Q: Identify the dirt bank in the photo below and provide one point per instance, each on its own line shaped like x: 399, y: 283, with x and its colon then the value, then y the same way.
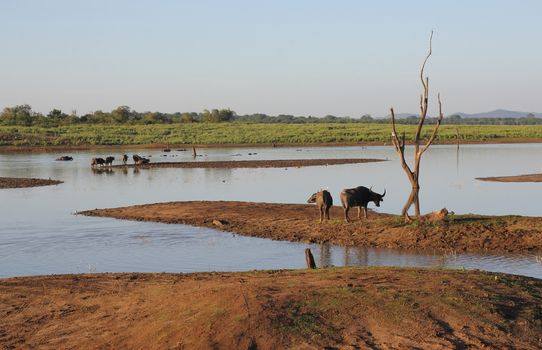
x: 66, y: 148
x: 516, y: 178
x: 349, y: 308
x: 298, y: 222
x: 15, y: 182
x: 279, y: 163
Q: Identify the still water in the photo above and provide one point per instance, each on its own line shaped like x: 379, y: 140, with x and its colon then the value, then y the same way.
x: 40, y: 235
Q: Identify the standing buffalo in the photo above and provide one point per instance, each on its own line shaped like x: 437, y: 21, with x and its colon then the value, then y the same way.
x: 97, y: 161
x: 124, y: 159
x: 109, y: 160
x: 359, y: 197
x: 323, y: 201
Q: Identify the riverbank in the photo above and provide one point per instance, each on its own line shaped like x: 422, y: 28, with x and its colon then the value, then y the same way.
x: 299, y: 223
x: 73, y: 137
x: 278, y: 163
x: 346, y: 308
x: 514, y: 178
x: 188, y: 147
x: 17, y: 182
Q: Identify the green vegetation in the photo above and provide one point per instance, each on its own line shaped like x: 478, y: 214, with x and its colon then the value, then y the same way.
x: 243, y: 133
x: 23, y: 115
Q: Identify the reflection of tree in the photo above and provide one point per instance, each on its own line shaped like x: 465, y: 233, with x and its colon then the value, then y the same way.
x: 325, y: 255
x: 399, y: 144
x: 347, y: 256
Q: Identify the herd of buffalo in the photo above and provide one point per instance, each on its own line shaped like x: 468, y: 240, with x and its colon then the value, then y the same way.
x: 108, y: 161
x: 350, y: 198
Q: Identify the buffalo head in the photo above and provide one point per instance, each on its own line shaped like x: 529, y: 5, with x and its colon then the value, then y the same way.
x: 377, y: 198
x: 312, y: 199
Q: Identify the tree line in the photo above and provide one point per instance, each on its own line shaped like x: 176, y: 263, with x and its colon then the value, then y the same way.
x: 24, y: 115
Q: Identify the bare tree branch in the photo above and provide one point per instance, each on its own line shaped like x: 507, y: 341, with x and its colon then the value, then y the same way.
x: 426, y: 58
x: 439, y: 120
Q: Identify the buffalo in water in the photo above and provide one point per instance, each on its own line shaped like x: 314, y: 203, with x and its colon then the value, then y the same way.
x: 109, y: 160
x: 359, y: 197
x: 323, y: 201
x: 124, y: 159
x: 97, y: 162
x: 64, y: 158
x: 138, y: 160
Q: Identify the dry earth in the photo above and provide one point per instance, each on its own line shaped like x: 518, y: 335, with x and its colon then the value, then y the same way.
x: 299, y: 222
x: 516, y: 178
x: 58, y: 148
x: 347, y: 308
x: 14, y: 182
x: 280, y: 163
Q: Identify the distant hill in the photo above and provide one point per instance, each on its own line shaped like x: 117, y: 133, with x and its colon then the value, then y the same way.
x: 498, y: 113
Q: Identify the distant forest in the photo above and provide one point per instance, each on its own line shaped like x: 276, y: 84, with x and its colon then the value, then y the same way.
x: 25, y: 116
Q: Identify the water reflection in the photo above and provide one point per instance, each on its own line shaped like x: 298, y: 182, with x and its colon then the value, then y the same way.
x: 328, y: 255
x: 101, y: 171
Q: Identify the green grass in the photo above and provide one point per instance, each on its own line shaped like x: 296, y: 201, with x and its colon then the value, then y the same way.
x: 241, y: 133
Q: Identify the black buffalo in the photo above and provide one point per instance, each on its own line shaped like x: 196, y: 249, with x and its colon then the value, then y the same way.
x: 109, y: 160
x: 97, y: 161
x: 124, y: 159
x: 140, y: 160
x: 64, y: 158
x: 359, y: 197
x: 323, y: 201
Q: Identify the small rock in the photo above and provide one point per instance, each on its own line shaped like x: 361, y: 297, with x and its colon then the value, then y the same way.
x: 220, y: 223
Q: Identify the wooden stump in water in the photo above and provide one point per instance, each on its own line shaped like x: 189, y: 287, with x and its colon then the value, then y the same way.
x: 310, y: 259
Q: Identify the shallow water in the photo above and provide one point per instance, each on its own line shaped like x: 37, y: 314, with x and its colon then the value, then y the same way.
x: 39, y: 234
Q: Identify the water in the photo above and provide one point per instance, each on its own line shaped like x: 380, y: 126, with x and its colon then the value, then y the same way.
x: 39, y: 234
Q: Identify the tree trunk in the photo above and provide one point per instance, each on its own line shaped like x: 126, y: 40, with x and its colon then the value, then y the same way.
x: 309, y: 259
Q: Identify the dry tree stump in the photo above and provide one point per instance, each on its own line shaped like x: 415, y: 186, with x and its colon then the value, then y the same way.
x: 309, y: 259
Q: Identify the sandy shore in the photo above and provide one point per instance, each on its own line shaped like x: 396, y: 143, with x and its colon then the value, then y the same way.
x: 299, y: 222
x: 516, y: 178
x: 347, y: 308
x: 279, y: 163
x: 16, y: 182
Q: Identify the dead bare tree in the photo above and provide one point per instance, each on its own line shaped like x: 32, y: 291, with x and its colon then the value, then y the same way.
x: 413, y: 175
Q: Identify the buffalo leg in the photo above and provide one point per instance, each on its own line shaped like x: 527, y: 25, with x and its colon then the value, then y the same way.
x: 327, y: 212
x: 321, y: 213
x: 359, y: 213
x: 365, y: 211
x: 346, y: 214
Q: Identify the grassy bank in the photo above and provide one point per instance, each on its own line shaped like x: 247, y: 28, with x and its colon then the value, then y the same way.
x: 242, y: 133
x: 347, y: 308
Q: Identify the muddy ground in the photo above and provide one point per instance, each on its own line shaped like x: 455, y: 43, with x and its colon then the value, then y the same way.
x: 59, y: 148
x: 15, y: 182
x: 299, y: 222
x: 347, y: 308
x: 516, y: 178
x: 236, y: 164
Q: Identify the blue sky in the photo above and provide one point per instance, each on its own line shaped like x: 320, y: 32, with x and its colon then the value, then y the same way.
x: 345, y: 58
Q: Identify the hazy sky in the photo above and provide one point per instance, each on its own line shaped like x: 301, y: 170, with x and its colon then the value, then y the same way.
x: 345, y: 58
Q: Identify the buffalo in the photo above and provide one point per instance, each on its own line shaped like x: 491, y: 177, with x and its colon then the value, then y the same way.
x: 124, y: 159
x: 138, y: 160
x: 97, y: 161
x: 359, y: 197
x: 109, y: 160
x: 64, y: 158
x: 323, y: 201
